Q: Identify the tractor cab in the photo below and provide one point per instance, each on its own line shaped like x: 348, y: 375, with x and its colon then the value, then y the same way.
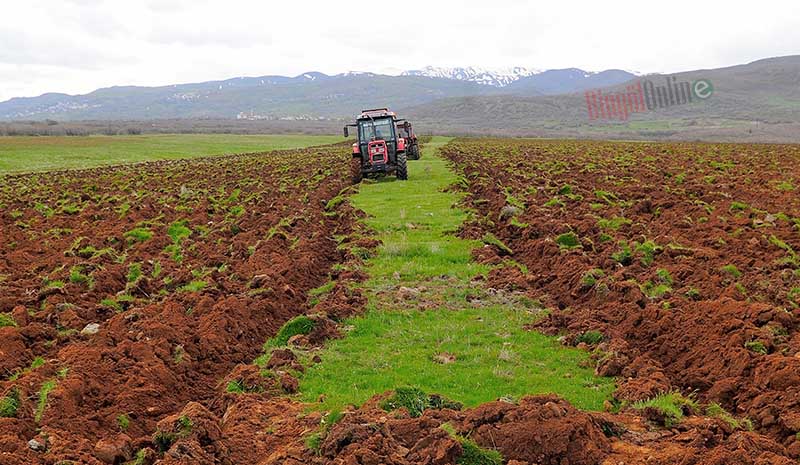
x: 380, y: 149
x: 377, y: 135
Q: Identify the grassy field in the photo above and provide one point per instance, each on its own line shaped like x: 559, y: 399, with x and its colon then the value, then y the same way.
x: 448, y: 335
x: 24, y: 154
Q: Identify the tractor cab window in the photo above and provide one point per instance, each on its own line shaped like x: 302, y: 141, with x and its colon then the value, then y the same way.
x: 380, y: 128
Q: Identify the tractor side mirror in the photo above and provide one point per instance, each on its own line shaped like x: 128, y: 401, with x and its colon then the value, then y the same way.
x: 346, y: 132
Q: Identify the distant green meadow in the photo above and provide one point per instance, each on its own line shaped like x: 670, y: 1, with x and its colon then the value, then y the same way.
x: 20, y: 154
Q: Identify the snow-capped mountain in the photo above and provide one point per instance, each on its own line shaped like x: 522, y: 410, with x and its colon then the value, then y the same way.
x: 491, y: 77
x: 308, y: 94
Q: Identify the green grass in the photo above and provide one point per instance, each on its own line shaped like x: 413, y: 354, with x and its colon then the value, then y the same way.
x: 296, y: 326
x: 472, y: 453
x: 395, y: 345
x: 416, y: 401
x: 671, y: 405
x: 715, y: 410
x: 47, y: 386
x: 7, y: 320
x: 194, y: 286
x: 568, y: 241
x: 9, y: 404
x: 23, y: 154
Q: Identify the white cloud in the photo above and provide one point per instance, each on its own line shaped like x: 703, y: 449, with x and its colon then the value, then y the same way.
x: 77, y: 46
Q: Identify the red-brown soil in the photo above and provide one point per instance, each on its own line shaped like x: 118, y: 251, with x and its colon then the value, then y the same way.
x: 261, y: 237
x: 726, y: 338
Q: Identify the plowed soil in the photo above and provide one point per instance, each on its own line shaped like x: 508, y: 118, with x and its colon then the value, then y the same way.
x: 222, y: 254
x: 705, y: 303
x: 135, y: 300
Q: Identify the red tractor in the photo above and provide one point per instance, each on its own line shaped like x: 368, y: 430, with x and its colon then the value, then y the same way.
x: 385, y: 143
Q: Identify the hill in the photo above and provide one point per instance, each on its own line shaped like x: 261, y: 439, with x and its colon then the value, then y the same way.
x: 755, y: 101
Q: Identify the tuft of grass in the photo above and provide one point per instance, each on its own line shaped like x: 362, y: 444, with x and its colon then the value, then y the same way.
x: 112, y: 304
x: 123, y: 422
x: 664, y: 276
x: 738, y: 206
x: 236, y: 210
x: 134, y: 272
x: 77, y: 276
x: 472, y: 454
x: 178, y: 231
x: 235, y: 387
x: 334, y: 202
x: 315, y: 294
x: 793, y: 295
x: 568, y: 241
x: 164, y: 440
x: 7, y: 320
x: 655, y: 290
x: 693, y: 293
x: 731, y: 271
x: 491, y: 239
x: 673, y: 405
x: 138, y: 235
x: 194, y: 286
x: 554, y: 202
x: 757, y: 347
x: 590, y: 278
x: 648, y: 249
x: 37, y: 362
x: 613, y: 223
x: 625, y: 255
x: 298, y: 325
x: 417, y: 401
x: 314, y: 440
x: 715, y: 410
x: 44, y: 391
x: 591, y: 337
x: 9, y: 404
x: 56, y: 284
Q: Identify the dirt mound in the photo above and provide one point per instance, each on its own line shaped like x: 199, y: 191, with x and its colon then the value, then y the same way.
x: 542, y: 429
x: 696, y: 441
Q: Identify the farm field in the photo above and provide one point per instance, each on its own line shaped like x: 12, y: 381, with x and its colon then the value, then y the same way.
x: 128, y: 292
x: 675, y: 264
x: 25, y: 154
x: 514, y: 302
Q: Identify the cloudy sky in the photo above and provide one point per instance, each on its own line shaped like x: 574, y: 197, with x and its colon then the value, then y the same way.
x: 76, y: 46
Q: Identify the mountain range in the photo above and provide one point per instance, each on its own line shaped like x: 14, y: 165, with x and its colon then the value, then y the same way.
x: 306, y: 96
x: 757, y: 101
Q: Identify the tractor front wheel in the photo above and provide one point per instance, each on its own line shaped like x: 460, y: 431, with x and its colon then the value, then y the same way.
x: 402, y: 167
x: 355, y: 170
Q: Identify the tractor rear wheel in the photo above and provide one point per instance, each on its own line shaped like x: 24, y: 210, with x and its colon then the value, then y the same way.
x: 355, y: 170
x: 414, y: 152
x: 402, y: 167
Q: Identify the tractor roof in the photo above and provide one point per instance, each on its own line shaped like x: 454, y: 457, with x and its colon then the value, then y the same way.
x: 377, y: 113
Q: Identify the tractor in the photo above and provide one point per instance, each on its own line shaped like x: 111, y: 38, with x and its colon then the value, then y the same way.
x: 384, y: 145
